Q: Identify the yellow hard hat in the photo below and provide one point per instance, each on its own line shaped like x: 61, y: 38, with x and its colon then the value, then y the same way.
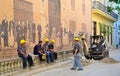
x: 46, y: 40
x: 22, y: 41
x: 53, y: 41
x: 76, y: 39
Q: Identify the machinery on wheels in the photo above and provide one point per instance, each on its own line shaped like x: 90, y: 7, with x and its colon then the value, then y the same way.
x: 97, y: 48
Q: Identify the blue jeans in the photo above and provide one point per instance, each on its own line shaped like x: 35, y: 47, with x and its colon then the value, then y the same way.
x: 29, y: 58
x: 40, y: 56
x: 77, y: 62
x: 50, y: 56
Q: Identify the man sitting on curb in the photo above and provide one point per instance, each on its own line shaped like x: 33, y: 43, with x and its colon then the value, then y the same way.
x: 51, y: 49
x: 24, y: 55
x: 45, y: 48
x: 38, y: 50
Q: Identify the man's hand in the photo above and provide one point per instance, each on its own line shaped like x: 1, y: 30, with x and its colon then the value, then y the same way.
x: 74, y: 55
x: 26, y: 55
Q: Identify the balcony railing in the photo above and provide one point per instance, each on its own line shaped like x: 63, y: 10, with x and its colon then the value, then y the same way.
x: 100, y: 6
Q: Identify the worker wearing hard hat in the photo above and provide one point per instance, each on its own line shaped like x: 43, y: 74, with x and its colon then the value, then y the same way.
x: 53, y: 53
x: 24, y: 55
x: 76, y: 53
x: 45, y: 45
x: 45, y: 48
x: 38, y: 50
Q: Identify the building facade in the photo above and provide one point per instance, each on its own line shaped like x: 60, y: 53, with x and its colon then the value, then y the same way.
x: 34, y: 20
x: 100, y: 16
x: 76, y: 17
x: 117, y: 34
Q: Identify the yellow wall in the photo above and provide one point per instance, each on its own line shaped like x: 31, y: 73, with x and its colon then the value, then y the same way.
x: 103, y: 18
x: 100, y: 19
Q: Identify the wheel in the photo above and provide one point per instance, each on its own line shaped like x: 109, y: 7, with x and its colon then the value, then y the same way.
x: 104, y: 54
x: 107, y: 53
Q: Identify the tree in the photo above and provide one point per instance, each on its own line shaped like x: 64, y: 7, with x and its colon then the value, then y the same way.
x: 117, y: 7
x: 104, y: 30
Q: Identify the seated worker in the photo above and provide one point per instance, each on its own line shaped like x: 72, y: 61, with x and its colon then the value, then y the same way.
x: 51, y: 48
x: 38, y: 50
x: 45, y: 48
x: 24, y: 55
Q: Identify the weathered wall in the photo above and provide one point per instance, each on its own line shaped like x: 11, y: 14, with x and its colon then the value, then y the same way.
x: 56, y: 19
x: 75, y: 17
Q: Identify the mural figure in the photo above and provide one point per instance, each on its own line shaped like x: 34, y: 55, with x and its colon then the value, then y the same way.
x: 29, y: 32
x: 71, y: 36
x: 33, y: 33
x: 0, y: 34
x: 25, y: 32
x: 11, y: 33
x: 4, y: 29
x: 19, y: 33
x: 39, y: 28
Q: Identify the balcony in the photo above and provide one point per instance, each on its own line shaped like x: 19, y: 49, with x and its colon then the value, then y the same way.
x: 99, y: 8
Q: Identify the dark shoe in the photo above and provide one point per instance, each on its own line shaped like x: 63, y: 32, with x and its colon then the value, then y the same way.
x: 24, y: 67
x: 48, y: 61
x: 73, y: 69
x: 79, y: 69
x: 33, y: 65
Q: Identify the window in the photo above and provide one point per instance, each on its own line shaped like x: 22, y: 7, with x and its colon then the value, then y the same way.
x: 23, y: 11
x: 72, y: 25
x: 119, y: 27
x: 84, y: 27
x: 111, y: 36
x: 73, y: 5
x: 94, y: 27
x: 119, y: 41
x: 54, y: 15
x: 108, y: 33
x: 42, y: 3
x: 83, y: 7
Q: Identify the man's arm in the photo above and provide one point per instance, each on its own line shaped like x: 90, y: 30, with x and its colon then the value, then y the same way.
x: 22, y: 52
x: 40, y: 51
x: 76, y: 50
x: 51, y: 48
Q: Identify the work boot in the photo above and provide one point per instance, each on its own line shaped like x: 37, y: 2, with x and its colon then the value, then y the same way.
x: 79, y: 69
x: 73, y: 69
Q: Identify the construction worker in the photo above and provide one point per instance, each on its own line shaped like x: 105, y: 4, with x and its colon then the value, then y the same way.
x: 45, y: 48
x: 51, y: 49
x: 24, y: 55
x: 76, y: 53
x: 38, y: 50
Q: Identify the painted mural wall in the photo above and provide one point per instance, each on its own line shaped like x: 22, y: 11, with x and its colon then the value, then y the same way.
x: 34, y: 20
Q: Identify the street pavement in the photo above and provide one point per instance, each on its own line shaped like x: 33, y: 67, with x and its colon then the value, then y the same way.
x: 94, y: 69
